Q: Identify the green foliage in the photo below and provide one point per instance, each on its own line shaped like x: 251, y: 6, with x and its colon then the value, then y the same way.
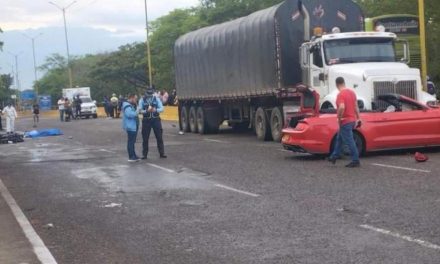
x: 1, y: 42
x: 374, y: 8
x: 6, y: 81
x: 125, y: 70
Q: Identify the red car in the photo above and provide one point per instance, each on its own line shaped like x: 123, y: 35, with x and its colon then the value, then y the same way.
x: 401, y: 123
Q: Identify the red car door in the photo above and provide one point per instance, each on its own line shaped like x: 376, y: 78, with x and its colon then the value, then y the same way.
x: 409, y: 128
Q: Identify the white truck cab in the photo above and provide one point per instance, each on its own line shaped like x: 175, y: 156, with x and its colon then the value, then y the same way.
x: 368, y: 63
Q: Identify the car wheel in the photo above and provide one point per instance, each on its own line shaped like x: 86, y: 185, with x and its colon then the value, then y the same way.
x: 359, y: 141
x: 262, y: 127
x: 276, y: 124
x: 184, y: 120
x: 193, y: 119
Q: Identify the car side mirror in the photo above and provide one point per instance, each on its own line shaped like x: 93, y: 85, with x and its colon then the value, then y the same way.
x: 94, y: 101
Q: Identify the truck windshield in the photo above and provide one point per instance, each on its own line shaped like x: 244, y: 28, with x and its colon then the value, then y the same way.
x: 86, y: 100
x: 354, y: 50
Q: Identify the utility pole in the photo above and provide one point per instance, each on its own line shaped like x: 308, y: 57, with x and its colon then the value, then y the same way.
x: 35, y: 61
x: 17, y: 80
x: 150, y: 75
x: 63, y: 10
x: 423, y: 43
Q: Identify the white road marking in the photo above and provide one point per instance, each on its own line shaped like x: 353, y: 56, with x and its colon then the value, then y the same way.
x: 215, y: 140
x: 161, y: 168
x: 42, y: 252
x: 399, y: 168
x: 285, y: 150
x: 108, y: 151
x: 236, y: 190
x: 406, y: 238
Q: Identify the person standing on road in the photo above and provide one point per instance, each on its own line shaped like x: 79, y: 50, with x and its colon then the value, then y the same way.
x: 348, y: 120
x: 1, y: 126
x: 36, y: 113
x: 11, y: 115
x: 130, y: 123
x: 151, y: 106
x: 61, y: 108
x: 114, y: 106
x: 77, y: 103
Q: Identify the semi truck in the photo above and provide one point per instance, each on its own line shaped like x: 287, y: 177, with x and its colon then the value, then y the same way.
x: 251, y: 71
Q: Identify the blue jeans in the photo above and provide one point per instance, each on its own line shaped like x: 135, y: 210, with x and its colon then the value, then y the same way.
x: 130, y: 144
x: 61, y: 115
x: 345, y: 136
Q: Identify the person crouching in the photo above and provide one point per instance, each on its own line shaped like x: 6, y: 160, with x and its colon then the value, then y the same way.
x: 130, y: 123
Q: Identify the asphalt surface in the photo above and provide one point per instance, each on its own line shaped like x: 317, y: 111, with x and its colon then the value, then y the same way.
x: 225, y: 198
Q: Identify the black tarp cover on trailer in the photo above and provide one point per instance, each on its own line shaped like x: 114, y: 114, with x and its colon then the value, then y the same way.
x: 257, y: 54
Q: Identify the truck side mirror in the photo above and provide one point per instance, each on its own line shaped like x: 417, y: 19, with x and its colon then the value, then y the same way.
x: 322, y: 77
x: 405, y: 50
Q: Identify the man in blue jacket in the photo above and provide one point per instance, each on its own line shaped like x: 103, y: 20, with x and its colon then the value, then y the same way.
x: 130, y: 123
x: 150, y: 106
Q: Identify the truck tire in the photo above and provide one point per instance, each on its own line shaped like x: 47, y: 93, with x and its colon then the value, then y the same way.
x: 184, y: 119
x: 95, y: 116
x: 193, y: 119
x: 276, y: 124
x: 262, y: 127
x: 201, y: 121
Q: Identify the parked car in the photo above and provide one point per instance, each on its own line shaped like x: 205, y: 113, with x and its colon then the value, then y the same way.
x: 400, y: 123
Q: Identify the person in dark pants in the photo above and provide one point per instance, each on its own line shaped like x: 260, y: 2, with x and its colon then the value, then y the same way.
x: 130, y: 123
x: 348, y: 119
x: 150, y: 106
x: 78, y: 103
x: 1, y: 126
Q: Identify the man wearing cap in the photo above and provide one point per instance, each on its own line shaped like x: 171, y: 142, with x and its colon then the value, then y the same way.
x: 150, y: 106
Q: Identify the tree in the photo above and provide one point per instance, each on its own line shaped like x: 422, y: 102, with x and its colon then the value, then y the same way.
x: 1, y: 42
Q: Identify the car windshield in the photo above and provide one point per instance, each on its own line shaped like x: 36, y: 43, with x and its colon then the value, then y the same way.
x: 86, y: 100
x: 355, y: 50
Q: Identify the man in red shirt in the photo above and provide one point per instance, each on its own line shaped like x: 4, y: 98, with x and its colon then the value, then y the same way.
x: 348, y: 119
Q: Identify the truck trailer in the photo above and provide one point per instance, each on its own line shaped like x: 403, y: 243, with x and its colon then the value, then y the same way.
x: 251, y: 71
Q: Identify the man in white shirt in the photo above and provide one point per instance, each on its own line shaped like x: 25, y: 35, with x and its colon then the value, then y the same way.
x: 11, y: 114
x: 61, y: 108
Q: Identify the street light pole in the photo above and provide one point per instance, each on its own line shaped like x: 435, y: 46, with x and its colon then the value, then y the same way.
x: 69, y: 68
x: 150, y: 76
x: 423, y: 42
x: 17, y: 80
x: 35, y: 61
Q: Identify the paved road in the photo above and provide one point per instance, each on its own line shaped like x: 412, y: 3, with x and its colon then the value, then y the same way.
x: 224, y: 198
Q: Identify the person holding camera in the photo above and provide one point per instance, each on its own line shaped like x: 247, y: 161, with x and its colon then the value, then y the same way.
x: 151, y: 106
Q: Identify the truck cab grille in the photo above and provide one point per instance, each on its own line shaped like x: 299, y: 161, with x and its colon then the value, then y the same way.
x: 406, y: 88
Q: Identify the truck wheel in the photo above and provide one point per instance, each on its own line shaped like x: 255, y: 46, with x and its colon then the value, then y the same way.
x: 95, y: 116
x: 184, y: 119
x: 193, y: 119
x: 262, y: 127
x: 276, y: 124
x: 201, y: 121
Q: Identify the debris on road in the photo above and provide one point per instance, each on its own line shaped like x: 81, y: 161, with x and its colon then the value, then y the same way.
x: 49, y: 226
x: 421, y: 157
x: 112, y: 205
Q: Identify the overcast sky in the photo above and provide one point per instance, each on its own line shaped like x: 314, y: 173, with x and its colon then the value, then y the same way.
x: 94, y: 26
x: 120, y: 16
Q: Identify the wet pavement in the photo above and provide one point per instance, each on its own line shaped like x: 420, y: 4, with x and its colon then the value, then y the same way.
x: 224, y: 198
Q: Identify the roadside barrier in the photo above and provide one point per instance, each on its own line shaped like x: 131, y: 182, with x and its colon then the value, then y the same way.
x: 170, y: 113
